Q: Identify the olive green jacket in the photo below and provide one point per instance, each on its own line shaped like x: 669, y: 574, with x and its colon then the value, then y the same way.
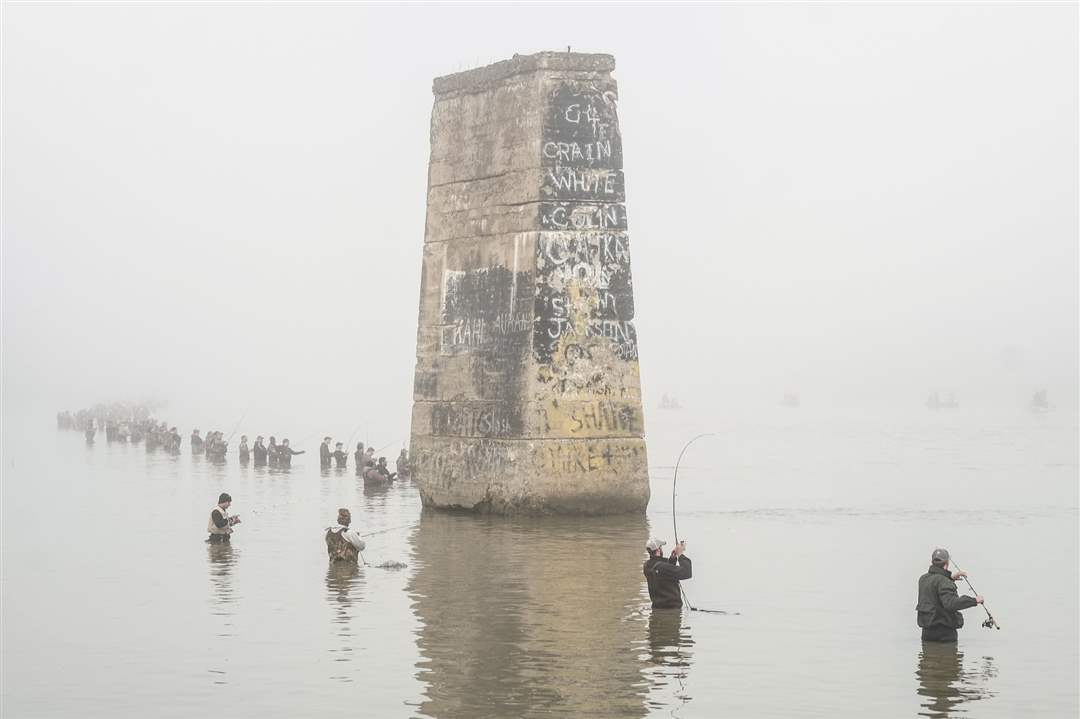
x: 939, y: 604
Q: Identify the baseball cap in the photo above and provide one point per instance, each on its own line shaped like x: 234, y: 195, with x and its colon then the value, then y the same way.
x: 653, y: 544
x: 940, y: 556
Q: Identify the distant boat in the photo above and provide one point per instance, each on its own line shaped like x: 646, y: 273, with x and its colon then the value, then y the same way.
x: 1039, y: 403
x: 934, y: 401
x: 791, y: 399
x: 669, y: 402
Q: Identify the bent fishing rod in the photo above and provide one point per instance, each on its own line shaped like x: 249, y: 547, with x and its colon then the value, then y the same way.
x: 990, y: 621
x: 674, y: 518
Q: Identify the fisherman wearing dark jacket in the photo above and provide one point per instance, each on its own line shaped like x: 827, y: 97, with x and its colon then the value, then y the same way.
x: 285, y: 453
x: 938, y: 610
x: 259, y: 450
x: 663, y: 575
x: 324, y: 453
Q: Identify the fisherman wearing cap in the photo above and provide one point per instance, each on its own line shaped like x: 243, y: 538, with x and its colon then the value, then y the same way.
x: 221, y: 524
x: 342, y: 543
x: 938, y: 610
x: 324, y: 453
x: 340, y: 456
x: 664, y: 574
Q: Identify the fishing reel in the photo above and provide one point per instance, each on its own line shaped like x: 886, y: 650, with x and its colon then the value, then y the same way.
x: 989, y: 623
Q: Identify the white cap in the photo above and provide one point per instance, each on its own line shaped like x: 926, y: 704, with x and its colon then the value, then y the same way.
x: 653, y: 544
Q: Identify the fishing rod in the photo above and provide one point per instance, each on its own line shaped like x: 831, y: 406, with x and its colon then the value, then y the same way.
x: 391, y: 529
x: 237, y: 425
x: 352, y: 434
x: 674, y: 519
x: 990, y: 621
x: 389, y: 444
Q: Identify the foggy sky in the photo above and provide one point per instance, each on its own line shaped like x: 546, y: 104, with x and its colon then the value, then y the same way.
x: 223, y: 205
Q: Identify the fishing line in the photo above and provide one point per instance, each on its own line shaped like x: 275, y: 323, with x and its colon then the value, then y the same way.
x: 990, y: 621
x: 675, y: 521
x: 391, y: 529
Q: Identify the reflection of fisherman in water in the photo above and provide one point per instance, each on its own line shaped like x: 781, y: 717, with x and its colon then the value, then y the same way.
x: 669, y: 652
x: 943, y: 683
x: 221, y: 559
x: 342, y: 587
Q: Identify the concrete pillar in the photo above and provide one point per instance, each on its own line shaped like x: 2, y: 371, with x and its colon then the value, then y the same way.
x: 527, y: 395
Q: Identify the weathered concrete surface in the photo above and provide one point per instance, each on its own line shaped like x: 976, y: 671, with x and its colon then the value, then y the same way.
x: 527, y: 395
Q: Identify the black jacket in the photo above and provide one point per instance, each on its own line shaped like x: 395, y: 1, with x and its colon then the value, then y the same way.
x: 663, y: 576
x: 939, y: 604
x: 324, y: 455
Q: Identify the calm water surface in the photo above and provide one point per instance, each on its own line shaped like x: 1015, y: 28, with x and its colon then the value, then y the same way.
x: 810, y: 531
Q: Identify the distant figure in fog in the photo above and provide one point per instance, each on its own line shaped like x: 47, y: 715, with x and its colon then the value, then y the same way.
x: 259, y: 450
x: 939, y: 607
x: 382, y: 469
x: 90, y: 432
x: 340, y: 456
x: 196, y: 442
x: 403, y: 469
x: 324, y: 453
x: 221, y: 524
x: 343, y: 544
x: 285, y: 453
x: 243, y: 450
x: 358, y: 455
x: 663, y: 575
x: 273, y: 452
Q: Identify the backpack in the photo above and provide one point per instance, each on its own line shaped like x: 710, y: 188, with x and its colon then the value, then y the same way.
x: 338, y: 548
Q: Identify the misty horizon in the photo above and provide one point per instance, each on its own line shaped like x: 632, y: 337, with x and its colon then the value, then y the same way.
x: 224, y: 209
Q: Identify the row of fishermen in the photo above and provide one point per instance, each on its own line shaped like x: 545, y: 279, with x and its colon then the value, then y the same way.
x: 101, y: 414
x: 366, y: 465
x: 216, y: 446
x: 156, y: 434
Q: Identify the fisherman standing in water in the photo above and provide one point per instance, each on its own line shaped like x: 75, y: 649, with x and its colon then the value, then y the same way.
x: 221, y: 524
x: 285, y: 453
x: 342, y: 543
x: 663, y: 575
x: 340, y: 457
x: 244, y: 450
x: 938, y: 610
x: 324, y: 453
x: 259, y: 450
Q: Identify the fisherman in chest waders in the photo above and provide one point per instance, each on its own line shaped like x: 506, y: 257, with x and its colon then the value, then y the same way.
x: 939, y: 607
x: 664, y: 574
x: 221, y: 524
x: 343, y: 544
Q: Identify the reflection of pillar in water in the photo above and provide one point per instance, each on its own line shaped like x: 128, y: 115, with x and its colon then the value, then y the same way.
x: 523, y: 619
x: 527, y: 394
